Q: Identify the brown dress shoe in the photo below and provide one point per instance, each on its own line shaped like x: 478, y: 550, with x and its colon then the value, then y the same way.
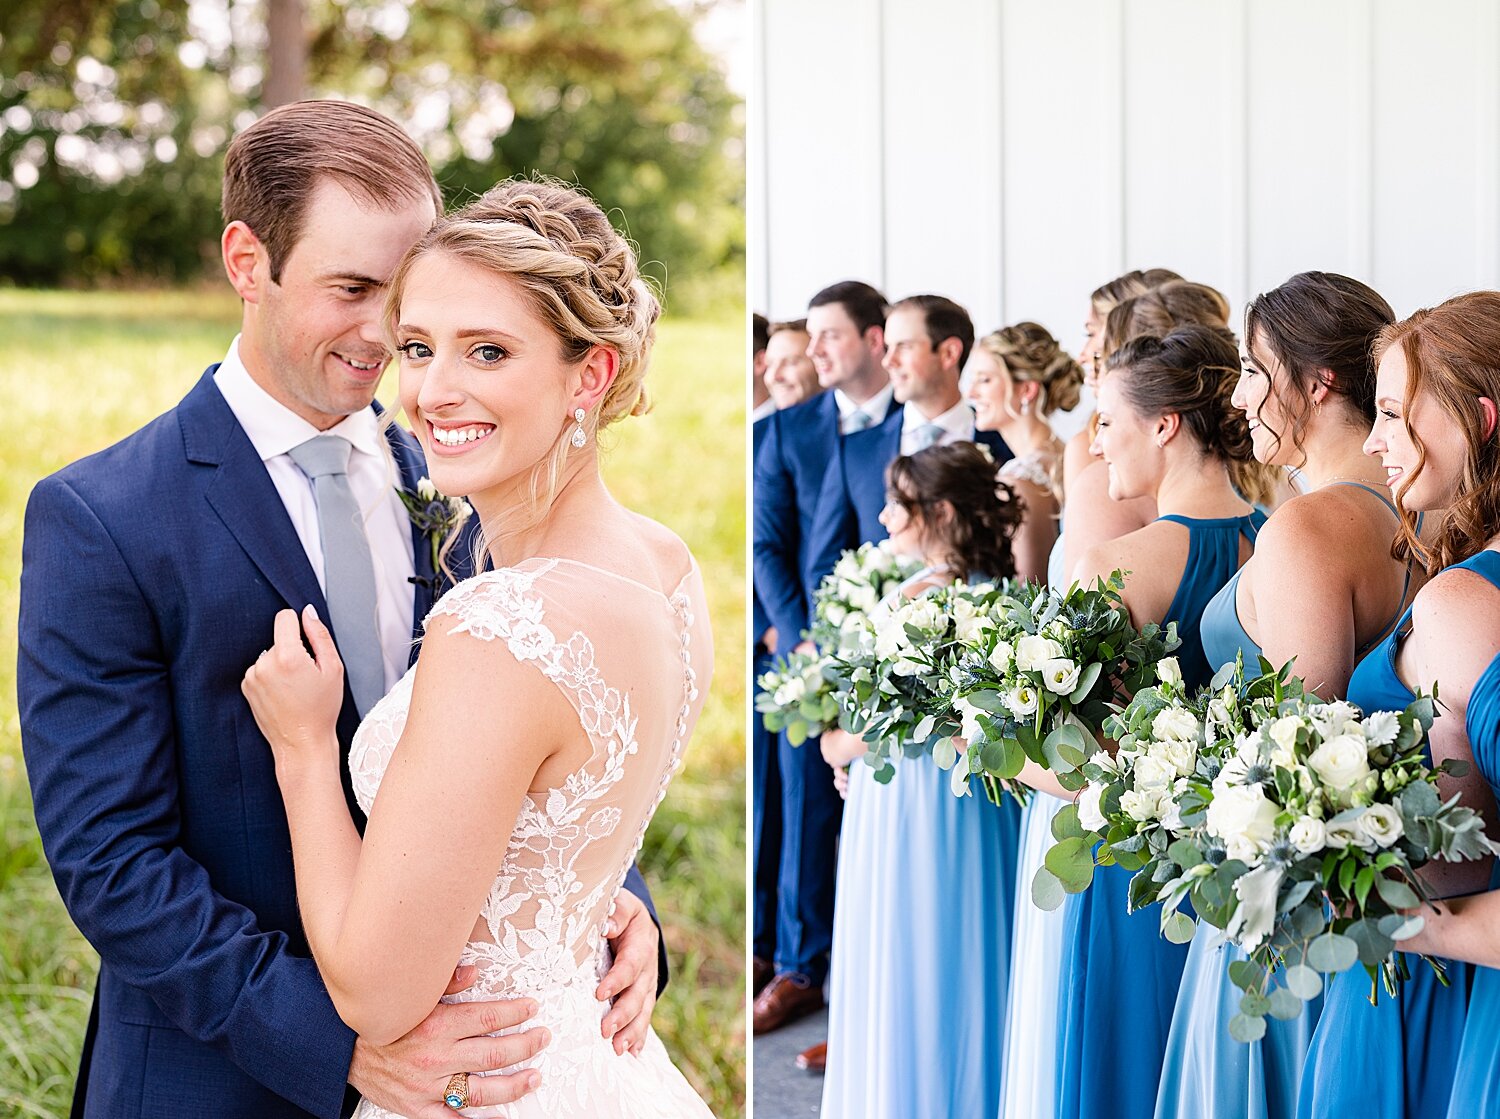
x: 786, y: 998
x: 762, y: 970
x: 814, y: 1058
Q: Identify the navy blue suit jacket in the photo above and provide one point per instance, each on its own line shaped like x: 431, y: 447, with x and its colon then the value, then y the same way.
x: 853, y: 492
x: 794, y: 455
x: 760, y: 619
x: 151, y: 574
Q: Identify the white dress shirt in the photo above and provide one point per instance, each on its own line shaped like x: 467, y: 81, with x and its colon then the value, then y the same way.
x: 957, y: 424
x: 274, y: 429
x: 762, y: 410
x: 876, y: 407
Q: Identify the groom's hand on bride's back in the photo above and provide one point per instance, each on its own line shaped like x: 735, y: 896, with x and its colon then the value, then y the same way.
x: 408, y: 1076
x: 631, y: 979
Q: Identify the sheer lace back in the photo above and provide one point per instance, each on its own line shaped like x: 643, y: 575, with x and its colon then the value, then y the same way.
x: 634, y: 664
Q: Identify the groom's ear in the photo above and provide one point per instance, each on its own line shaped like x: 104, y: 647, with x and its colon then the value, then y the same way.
x: 242, y: 252
x: 598, y: 371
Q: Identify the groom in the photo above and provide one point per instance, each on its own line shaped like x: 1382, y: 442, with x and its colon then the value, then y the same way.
x: 151, y: 575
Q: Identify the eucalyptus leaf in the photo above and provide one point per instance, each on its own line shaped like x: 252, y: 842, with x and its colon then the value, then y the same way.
x: 945, y: 754
x: 1284, y: 1005
x: 1072, y: 860
x: 1373, y: 945
x: 1086, y: 682
x: 1065, y: 824
x: 1178, y: 928
x: 1047, y: 890
x: 1396, y: 893
x: 1245, y: 1029
x: 1304, y: 982
x: 1332, y: 953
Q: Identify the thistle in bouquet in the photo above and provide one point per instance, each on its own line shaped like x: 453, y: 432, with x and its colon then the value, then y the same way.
x: 1038, y: 684
x: 899, y: 697
x: 1317, y: 823
x: 799, y: 693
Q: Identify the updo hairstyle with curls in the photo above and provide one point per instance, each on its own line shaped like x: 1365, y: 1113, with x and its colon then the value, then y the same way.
x: 1159, y: 311
x: 1320, y: 323
x: 1192, y: 372
x: 582, y: 279
x: 1128, y: 286
x: 1452, y: 353
x: 1028, y: 352
x: 974, y: 539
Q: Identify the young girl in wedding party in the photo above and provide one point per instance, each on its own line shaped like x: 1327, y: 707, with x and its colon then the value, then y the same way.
x: 1168, y: 433
x: 921, y: 945
x: 1432, y: 1052
x: 1307, y: 389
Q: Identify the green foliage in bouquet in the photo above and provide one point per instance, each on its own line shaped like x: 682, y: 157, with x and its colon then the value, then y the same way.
x: 1040, y: 682
x: 797, y: 696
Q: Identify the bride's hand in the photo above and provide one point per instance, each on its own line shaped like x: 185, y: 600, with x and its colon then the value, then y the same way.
x: 295, y: 697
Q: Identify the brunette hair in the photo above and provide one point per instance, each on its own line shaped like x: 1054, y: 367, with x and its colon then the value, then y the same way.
x: 1030, y: 353
x: 272, y: 168
x: 986, y: 512
x: 1317, y: 322
x: 1156, y: 312
x: 760, y: 327
x: 943, y: 319
x: 580, y: 277
x: 1192, y: 372
x: 1452, y: 353
x: 860, y: 302
x: 799, y: 325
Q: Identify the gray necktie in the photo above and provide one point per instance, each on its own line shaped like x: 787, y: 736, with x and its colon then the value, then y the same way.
x: 348, y: 572
x: 857, y: 420
x: 926, y: 435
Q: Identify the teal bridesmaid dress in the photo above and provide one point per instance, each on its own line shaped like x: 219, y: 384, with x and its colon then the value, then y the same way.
x: 1399, y: 1059
x: 1119, y: 976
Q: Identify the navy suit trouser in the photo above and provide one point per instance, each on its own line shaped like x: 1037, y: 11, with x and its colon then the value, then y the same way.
x: 767, y: 821
x: 811, y: 811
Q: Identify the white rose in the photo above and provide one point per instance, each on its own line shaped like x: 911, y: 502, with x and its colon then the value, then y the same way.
x: 1242, y: 812
x: 836, y: 612
x: 1308, y: 835
x: 1060, y: 676
x: 847, y: 566
x: 790, y: 692
x: 864, y: 597
x: 1233, y: 773
x: 1153, y: 773
x: 1181, y: 756
x: 1346, y: 833
x: 890, y: 639
x: 969, y: 622
x: 1175, y: 722
x: 1382, y: 823
x: 1168, y: 671
x: 1171, y: 809
x: 1000, y: 658
x: 1341, y: 761
x: 1032, y: 651
x: 1283, y: 732
x: 1140, y: 805
x: 905, y: 666
x: 1382, y: 728
x: 1022, y: 700
x: 1244, y: 849
x: 1088, y: 807
x: 924, y: 614
x: 854, y: 620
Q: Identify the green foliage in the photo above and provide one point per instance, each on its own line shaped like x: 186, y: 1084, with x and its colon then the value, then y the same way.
x: 87, y: 369
x: 120, y: 113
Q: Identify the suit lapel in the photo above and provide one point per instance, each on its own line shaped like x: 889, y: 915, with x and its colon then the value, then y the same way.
x: 412, y: 467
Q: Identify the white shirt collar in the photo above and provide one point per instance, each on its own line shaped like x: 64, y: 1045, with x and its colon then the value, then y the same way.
x: 957, y: 421
x: 765, y: 409
x: 876, y: 407
x: 273, y: 428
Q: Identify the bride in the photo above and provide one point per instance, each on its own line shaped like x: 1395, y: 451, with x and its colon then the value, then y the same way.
x: 510, y: 775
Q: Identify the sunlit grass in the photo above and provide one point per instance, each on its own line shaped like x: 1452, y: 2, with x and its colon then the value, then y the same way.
x: 83, y: 370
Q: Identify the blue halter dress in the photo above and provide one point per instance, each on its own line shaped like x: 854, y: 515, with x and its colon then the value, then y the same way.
x: 1207, y: 1072
x: 1396, y: 1060
x: 1476, y: 1091
x: 1119, y: 976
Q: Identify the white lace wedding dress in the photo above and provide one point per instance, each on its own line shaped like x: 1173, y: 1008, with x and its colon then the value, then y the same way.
x: 634, y: 663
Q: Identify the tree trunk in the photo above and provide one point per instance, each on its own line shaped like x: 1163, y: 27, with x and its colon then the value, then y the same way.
x: 286, y: 53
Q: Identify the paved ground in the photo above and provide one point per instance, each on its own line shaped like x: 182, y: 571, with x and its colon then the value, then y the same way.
x: 782, y: 1090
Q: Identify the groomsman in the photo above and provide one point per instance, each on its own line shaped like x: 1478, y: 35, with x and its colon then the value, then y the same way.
x: 761, y: 403
x: 927, y: 341
x: 846, y: 325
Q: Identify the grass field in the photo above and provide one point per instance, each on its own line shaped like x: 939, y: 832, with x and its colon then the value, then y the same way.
x: 81, y: 371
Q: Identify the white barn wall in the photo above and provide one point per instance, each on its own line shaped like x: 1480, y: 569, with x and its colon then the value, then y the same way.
x: 1013, y: 154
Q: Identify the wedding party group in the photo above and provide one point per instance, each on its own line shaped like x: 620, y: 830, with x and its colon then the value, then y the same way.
x: 1148, y: 774
x: 343, y: 735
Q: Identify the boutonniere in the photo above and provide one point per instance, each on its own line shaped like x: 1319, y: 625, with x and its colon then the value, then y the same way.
x: 436, y: 517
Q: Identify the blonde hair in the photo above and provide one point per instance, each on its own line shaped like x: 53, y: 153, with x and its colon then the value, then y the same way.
x: 1028, y: 352
x: 582, y: 279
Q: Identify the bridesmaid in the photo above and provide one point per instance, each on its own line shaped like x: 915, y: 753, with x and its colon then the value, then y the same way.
x: 1307, y: 389
x: 1437, y: 386
x: 1167, y: 432
x: 1018, y: 376
x: 921, y: 930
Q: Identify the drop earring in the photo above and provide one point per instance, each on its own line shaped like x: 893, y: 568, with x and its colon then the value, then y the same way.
x: 580, y: 437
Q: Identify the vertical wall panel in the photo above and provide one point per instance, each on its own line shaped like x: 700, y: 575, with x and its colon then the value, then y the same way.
x: 942, y: 151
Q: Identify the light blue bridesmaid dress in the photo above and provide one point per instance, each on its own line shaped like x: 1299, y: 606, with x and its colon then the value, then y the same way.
x: 1398, y: 1059
x: 1205, y: 1071
x: 1030, y: 1057
x: 1476, y: 1091
x: 1119, y: 976
x: 921, y: 948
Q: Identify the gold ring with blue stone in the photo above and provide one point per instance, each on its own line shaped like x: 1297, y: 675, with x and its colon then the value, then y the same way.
x: 456, y: 1094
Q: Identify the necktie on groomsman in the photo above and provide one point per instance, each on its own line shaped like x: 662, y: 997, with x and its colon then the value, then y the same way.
x: 348, y: 571
x: 926, y: 435
x: 857, y: 420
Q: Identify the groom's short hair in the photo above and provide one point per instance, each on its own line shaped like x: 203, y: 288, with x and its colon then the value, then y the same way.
x: 863, y: 304
x: 273, y: 167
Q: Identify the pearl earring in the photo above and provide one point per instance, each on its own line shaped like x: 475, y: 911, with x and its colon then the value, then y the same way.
x: 580, y: 437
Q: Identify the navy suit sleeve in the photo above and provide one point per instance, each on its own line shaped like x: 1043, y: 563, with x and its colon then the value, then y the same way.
x: 637, y: 886
x: 776, y: 536
x: 97, y: 728
x: 836, y: 524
